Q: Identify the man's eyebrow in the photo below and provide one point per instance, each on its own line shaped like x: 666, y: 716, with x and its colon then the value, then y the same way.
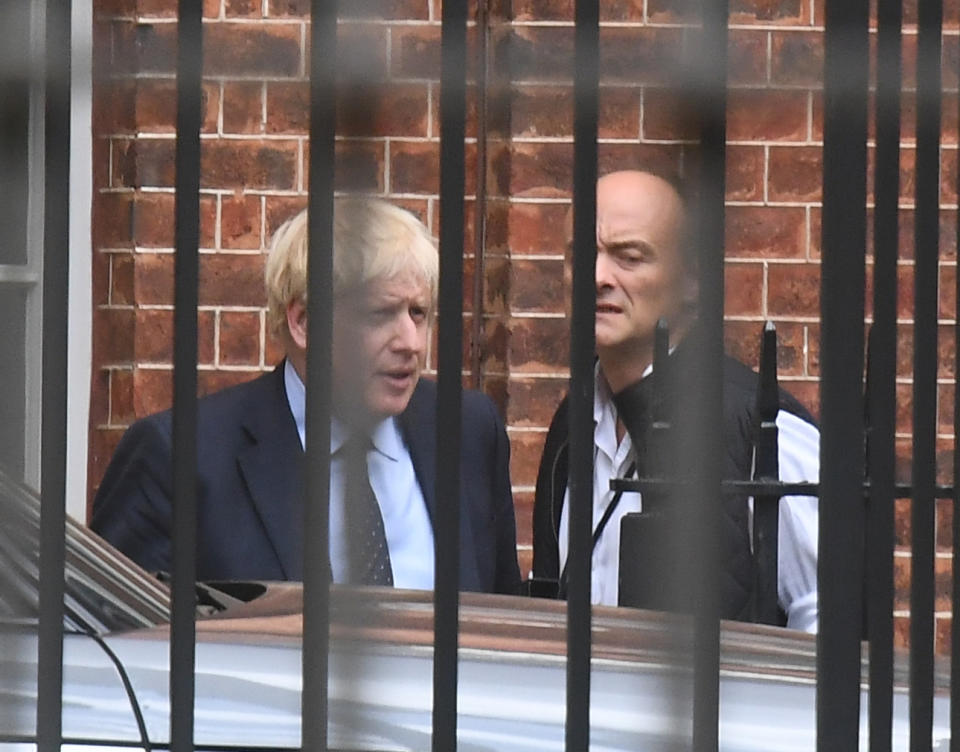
x: 627, y: 243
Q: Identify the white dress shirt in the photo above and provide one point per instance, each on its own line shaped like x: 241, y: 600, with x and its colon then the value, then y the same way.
x: 799, y: 455
x: 406, y: 522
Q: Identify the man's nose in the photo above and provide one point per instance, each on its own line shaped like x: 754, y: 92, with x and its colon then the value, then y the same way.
x: 406, y: 335
x: 604, y: 278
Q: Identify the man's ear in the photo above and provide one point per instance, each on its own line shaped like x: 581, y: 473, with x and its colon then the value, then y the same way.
x: 297, y: 323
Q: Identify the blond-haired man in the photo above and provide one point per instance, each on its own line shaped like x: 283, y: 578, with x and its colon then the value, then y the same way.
x: 383, y: 454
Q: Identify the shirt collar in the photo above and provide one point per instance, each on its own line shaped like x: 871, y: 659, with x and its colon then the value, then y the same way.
x: 385, y: 436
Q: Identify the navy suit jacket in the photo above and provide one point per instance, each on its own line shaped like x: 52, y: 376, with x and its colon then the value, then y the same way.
x: 250, y: 513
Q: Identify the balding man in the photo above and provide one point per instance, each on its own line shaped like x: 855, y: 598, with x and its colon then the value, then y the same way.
x: 646, y: 270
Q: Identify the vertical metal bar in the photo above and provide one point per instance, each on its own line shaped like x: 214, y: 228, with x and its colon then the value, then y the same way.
x: 842, y: 514
x: 449, y: 372
x: 881, y: 381
x: 704, y: 515
x: 480, y: 200
x: 316, y: 506
x: 53, y: 456
x: 926, y: 239
x: 580, y: 485
x: 955, y: 595
x: 186, y: 274
x: 766, y: 509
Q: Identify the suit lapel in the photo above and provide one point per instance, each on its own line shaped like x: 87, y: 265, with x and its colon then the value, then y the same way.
x: 418, y: 424
x: 419, y: 428
x: 272, y: 466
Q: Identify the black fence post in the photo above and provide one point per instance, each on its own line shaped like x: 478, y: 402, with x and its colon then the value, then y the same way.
x: 449, y: 372
x: 842, y: 516
x: 53, y: 458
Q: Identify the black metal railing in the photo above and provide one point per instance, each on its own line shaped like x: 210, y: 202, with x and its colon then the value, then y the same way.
x: 857, y: 447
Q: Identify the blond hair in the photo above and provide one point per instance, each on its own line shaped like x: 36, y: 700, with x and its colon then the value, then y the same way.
x: 372, y: 239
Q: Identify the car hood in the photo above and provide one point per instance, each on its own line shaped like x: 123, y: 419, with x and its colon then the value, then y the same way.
x: 512, y: 672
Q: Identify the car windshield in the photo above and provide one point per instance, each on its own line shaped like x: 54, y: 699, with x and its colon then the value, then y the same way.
x: 104, y: 591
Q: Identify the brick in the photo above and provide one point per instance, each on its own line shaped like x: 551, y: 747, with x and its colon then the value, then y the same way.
x: 744, y: 173
x: 532, y: 402
x: 152, y: 390
x: 278, y: 210
x: 741, y: 340
x: 537, y: 285
x: 668, y: 114
x: 540, y: 111
x: 153, y: 278
x: 113, y: 106
x: 121, y: 279
x: 122, y: 412
x: 522, y: 11
x: 415, y: 52
x: 155, y: 106
x: 646, y: 55
x: 100, y: 155
x: 901, y: 582
x: 405, y: 10
x: 414, y: 167
x: 944, y: 524
x: 496, y: 344
x: 795, y: 173
x: 113, y: 219
x: 243, y: 107
x: 946, y: 352
x: 941, y: 636
x: 536, y: 228
x: 533, y: 169
x: 240, y: 49
x: 767, y: 115
x: 539, y: 345
x: 100, y: 282
x: 288, y: 107
x: 240, y: 222
x: 904, y: 408
x: 794, y: 290
x: 948, y: 291
x: 813, y: 345
x: 534, y: 54
x: 113, y: 336
x: 232, y: 279
x: 289, y: 8
x: 661, y: 158
x: 249, y: 165
x: 155, y: 336
x: 359, y: 167
x: 100, y: 379
x: 901, y: 526
x: 153, y: 220
x: 747, y: 57
x: 796, y: 58
x: 379, y: 110
x: 239, y: 337
x: 525, y: 450
x: 769, y: 11
x: 243, y: 8
x: 523, y: 511
x: 770, y: 232
x: 673, y: 11
x: 743, y: 286
x: 122, y: 162
x: 362, y: 53
x: 948, y: 176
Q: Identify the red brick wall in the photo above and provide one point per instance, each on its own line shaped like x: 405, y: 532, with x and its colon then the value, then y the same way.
x: 254, y: 176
